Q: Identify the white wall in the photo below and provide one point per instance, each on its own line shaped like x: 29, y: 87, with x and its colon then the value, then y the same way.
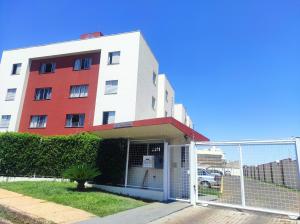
x: 124, y: 102
x: 8, y: 81
x: 180, y: 113
x: 16, y: 179
x: 153, y: 180
x: 189, y: 121
x: 145, y: 87
x: 163, y: 105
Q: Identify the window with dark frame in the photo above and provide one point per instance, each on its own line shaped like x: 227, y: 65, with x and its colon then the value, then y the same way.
x: 38, y: 121
x: 43, y: 93
x: 111, y: 87
x: 47, y: 68
x: 16, y: 69
x: 108, y: 117
x: 5, y: 120
x: 153, y: 103
x: 75, y: 120
x: 114, y: 57
x: 166, y: 95
x: 11, y: 94
x: 79, y: 91
x: 82, y: 64
x: 154, y: 78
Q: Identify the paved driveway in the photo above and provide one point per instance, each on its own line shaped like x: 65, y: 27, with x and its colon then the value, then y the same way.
x: 257, y: 193
x: 214, y: 215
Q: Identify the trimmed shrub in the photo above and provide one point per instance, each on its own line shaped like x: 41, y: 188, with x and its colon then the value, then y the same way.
x: 18, y: 153
x: 23, y: 154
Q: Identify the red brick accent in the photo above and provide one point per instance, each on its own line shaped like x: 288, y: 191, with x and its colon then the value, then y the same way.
x: 60, y: 103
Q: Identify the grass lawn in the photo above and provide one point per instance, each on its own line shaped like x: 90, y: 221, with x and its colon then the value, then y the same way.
x: 93, y: 200
x: 209, y: 191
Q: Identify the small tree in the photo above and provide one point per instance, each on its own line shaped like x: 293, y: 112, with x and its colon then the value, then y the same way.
x: 81, y: 174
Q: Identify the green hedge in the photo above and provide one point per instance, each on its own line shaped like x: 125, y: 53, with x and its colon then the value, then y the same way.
x: 111, y: 161
x: 27, y: 154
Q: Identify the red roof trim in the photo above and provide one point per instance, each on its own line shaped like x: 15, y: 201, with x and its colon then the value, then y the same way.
x: 158, y: 121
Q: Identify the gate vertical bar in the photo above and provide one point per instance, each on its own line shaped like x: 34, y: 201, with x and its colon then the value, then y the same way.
x: 166, y: 184
x: 298, y: 155
x: 242, y: 177
x: 193, y: 176
x: 127, y: 159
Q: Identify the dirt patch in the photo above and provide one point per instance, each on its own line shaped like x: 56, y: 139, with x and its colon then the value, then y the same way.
x: 12, y: 216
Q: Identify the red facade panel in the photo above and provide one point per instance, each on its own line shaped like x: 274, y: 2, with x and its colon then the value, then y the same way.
x: 60, y: 103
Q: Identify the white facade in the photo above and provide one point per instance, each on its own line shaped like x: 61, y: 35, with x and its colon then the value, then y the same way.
x: 166, y: 96
x: 181, y: 115
x: 136, y: 88
x: 146, y: 89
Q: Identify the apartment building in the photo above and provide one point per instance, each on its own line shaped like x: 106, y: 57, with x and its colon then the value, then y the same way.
x: 108, y: 85
x: 73, y: 86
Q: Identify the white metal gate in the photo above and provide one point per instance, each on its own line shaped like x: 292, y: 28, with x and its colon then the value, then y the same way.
x: 254, y: 175
x: 179, y: 178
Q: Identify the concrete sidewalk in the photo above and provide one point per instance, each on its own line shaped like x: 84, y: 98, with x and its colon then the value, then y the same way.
x: 140, y: 215
x: 42, y: 209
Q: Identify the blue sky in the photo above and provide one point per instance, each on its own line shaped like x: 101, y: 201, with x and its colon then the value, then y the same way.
x: 234, y: 64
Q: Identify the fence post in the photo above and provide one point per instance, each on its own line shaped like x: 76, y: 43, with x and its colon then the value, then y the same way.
x: 166, y: 183
x: 193, y: 173
x: 127, y: 159
x: 298, y: 157
x: 242, y: 177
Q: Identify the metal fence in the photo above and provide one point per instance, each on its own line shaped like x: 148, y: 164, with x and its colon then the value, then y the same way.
x: 256, y: 175
x: 145, y: 165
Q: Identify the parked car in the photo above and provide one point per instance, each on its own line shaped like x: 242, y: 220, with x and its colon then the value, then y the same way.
x: 214, y: 172
x: 227, y: 173
x: 205, y: 179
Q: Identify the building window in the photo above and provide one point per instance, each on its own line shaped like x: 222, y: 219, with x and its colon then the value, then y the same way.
x: 43, y: 94
x: 82, y: 64
x: 154, y: 78
x: 4, y: 122
x: 166, y: 95
x: 79, y: 91
x: 75, y: 120
x: 47, y: 68
x: 111, y: 87
x: 166, y: 113
x: 38, y: 121
x: 16, y: 69
x: 114, y: 57
x: 108, y: 117
x: 153, y: 103
x: 11, y: 94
